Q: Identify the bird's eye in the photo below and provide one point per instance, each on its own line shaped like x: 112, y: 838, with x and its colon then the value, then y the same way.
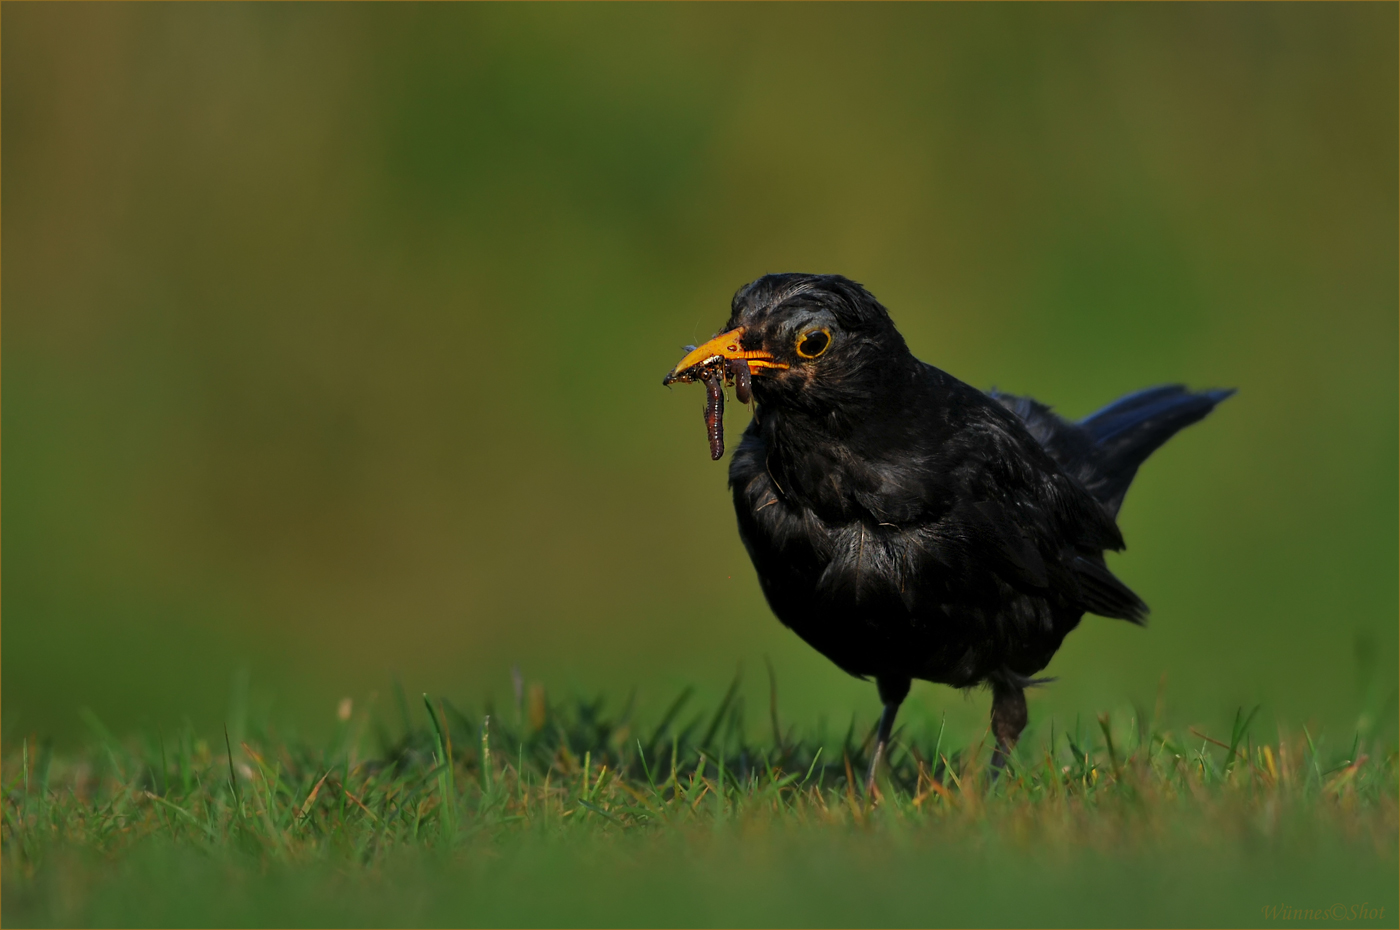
x: 814, y: 343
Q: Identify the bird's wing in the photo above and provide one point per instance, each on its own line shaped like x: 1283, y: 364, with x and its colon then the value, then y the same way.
x: 1017, y: 513
x: 1069, y: 444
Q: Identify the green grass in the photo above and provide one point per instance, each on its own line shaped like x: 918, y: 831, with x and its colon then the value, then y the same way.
x: 573, y: 813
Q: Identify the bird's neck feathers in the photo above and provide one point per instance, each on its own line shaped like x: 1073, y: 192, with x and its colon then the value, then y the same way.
x: 823, y: 440
x: 857, y: 397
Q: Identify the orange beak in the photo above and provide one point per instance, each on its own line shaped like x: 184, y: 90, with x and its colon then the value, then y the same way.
x: 723, y: 346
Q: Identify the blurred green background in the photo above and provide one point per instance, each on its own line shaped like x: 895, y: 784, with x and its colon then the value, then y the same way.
x: 334, y: 335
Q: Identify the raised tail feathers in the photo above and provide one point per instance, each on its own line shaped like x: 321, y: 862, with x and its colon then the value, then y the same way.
x: 1131, y: 428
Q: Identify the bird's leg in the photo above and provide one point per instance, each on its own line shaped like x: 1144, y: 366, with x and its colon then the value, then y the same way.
x: 1008, y: 720
x: 893, y: 691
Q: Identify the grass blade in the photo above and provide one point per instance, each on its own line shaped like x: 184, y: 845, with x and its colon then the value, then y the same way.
x: 723, y: 708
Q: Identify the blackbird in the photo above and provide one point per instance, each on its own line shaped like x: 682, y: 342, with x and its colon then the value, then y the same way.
x: 907, y: 525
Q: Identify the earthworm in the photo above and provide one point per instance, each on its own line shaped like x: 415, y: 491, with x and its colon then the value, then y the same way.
x: 739, y: 370
x: 714, y: 410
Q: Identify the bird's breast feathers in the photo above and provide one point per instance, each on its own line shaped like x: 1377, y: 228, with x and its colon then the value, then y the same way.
x: 845, y: 553
x: 877, y: 536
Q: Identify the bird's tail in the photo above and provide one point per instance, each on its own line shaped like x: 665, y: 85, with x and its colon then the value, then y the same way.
x: 1131, y: 428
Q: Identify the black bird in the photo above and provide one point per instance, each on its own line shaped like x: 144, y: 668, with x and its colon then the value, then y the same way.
x: 907, y: 525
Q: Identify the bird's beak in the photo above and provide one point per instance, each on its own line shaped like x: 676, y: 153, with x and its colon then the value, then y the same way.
x: 723, y: 346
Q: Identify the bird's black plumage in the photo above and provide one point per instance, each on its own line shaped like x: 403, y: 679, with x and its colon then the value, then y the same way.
x: 909, y: 526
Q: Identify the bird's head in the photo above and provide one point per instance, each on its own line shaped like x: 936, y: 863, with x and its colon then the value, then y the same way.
x: 809, y: 340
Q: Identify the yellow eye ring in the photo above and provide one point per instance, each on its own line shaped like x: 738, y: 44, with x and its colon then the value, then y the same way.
x: 813, y: 342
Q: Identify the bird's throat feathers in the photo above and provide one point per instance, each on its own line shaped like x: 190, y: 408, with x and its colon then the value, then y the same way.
x: 856, y: 395
x: 841, y: 448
